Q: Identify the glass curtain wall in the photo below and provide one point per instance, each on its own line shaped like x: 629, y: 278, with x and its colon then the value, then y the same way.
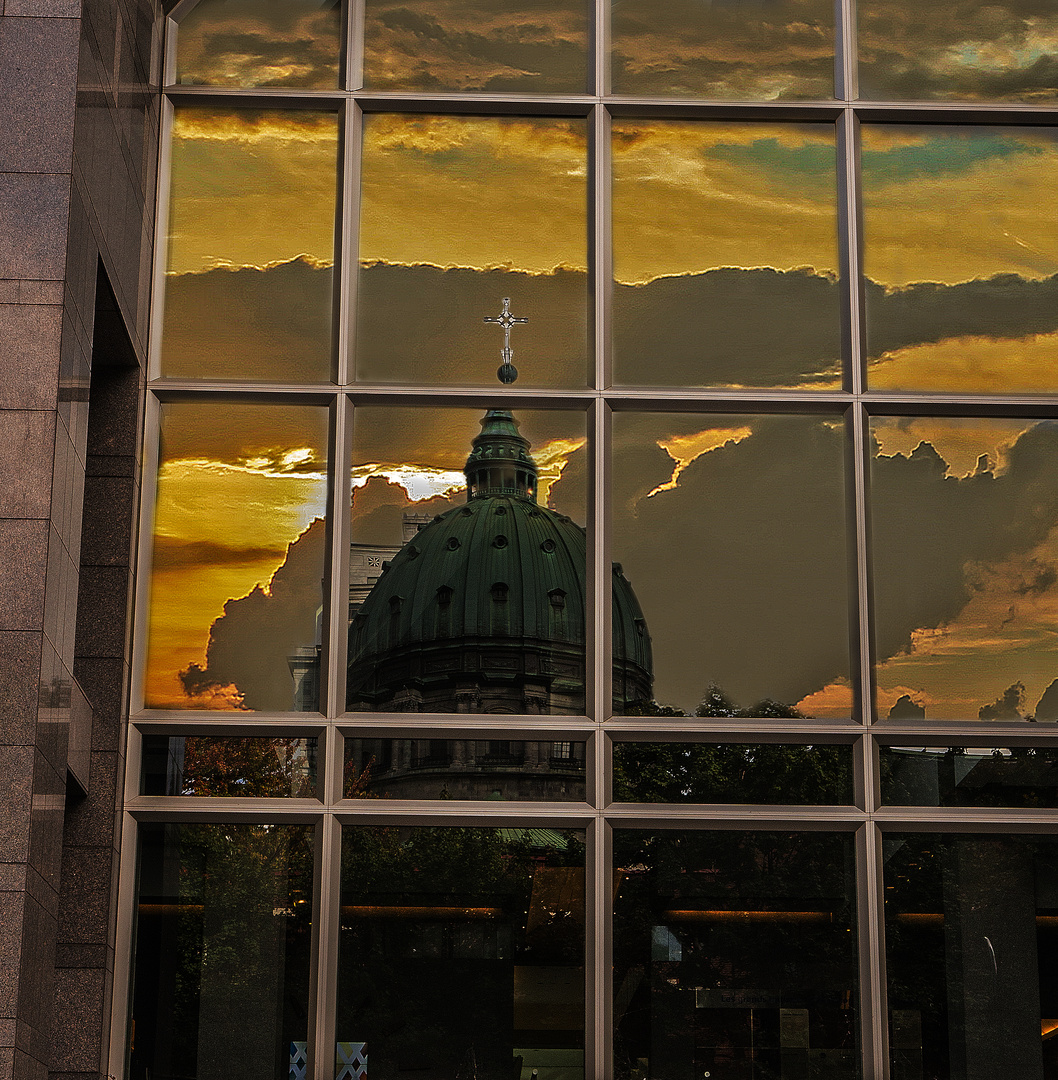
x: 599, y: 559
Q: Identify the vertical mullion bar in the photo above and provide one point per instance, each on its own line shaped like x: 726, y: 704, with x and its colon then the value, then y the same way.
x: 600, y: 599
x: 601, y: 246
x: 599, y: 1043
x: 601, y: 49
x: 846, y: 69
x: 161, y: 237
x: 874, y: 1024
x: 851, y: 251
x: 354, y: 44
x: 124, y: 927
x: 348, y: 242
x: 326, y: 924
x: 332, y: 687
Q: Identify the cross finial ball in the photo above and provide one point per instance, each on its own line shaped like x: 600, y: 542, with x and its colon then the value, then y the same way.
x: 506, y: 372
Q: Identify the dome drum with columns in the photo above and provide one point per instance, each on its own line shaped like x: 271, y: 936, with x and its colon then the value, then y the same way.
x: 483, y: 610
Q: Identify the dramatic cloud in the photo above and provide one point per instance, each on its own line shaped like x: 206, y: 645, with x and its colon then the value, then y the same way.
x: 249, y: 645
x: 539, y: 47
x: 1002, y: 51
x: 240, y: 43
x: 723, y: 327
x: 775, y: 51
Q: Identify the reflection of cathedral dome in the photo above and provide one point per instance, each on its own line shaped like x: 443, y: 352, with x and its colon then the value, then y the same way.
x: 484, y: 609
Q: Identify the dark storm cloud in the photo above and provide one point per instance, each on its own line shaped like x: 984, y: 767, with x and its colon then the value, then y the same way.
x: 741, y: 569
x: 379, y: 507
x: 996, y: 51
x: 272, y: 324
x: 250, y: 643
x: 171, y: 554
x: 929, y: 527
x: 756, y: 327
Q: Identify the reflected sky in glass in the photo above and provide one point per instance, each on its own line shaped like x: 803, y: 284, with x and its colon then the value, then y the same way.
x: 457, y: 213
x: 961, y: 258
x: 741, y: 51
x: 540, y: 47
x: 725, y: 254
x: 964, y: 515
x: 731, y: 530
x: 238, y: 554
x: 257, y: 43
x: 250, y: 256
x: 1001, y: 51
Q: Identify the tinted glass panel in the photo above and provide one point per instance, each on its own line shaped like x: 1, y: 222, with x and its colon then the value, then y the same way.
x: 250, y: 256
x: 239, y: 538
x: 464, y: 769
x: 467, y: 602
x: 457, y: 213
x: 731, y: 773
x: 730, y: 536
x: 970, y: 776
x: 1002, y: 51
x: 971, y: 932
x: 482, y: 45
x: 257, y: 43
x: 462, y: 950
x: 734, y: 955
x: 738, y: 51
x: 219, y: 765
x: 959, y: 241
x: 725, y: 255
x: 221, y: 976
x: 964, y: 516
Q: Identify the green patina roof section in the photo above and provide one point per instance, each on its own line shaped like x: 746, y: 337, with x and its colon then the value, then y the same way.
x: 462, y: 559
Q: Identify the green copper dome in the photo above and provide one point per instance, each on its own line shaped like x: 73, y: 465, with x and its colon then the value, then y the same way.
x: 484, y: 610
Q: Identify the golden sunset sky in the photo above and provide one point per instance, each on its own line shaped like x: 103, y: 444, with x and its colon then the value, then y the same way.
x: 943, y: 209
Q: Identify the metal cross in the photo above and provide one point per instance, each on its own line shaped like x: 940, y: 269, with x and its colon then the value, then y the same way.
x: 507, y: 372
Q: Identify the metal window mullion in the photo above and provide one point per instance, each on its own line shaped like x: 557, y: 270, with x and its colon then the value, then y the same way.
x: 600, y: 255
x: 846, y: 68
x: 354, y: 44
x: 599, y: 941
x: 600, y: 592
x: 124, y: 931
x: 349, y: 242
x: 332, y: 681
x: 860, y: 437
x: 874, y: 1026
x: 326, y: 926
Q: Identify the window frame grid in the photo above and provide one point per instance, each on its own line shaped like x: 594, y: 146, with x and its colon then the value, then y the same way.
x: 598, y: 815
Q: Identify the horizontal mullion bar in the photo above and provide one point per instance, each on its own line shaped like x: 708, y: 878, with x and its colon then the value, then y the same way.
x: 964, y: 819
x: 665, y: 729
x: 251, y: 97
x: 189, y: 808
x: 187, y: 721
x: 630, y: 107
x: 890, y: 404
x: 549, y: 729
x: 207, y: 726
x: 734, y: 816
x: 466, y: 813
x: 970, y: 732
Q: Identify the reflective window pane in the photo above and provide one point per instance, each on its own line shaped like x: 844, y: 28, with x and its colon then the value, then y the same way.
x: 971, y: 936
x: 725, y: 255
x: 208, y: 766
x: 959, y: 254
x: 999, y: 51
x: 236, y: 598
x: 467, y: 600
x: 513, y: 769
x: 456, y: 214
x: 476, y: 45
x: 221, y: 972
x: 256, y: 43
x: 1025, y: 776
x: 965, y: 544
x: 782, y: 50
x: 729, y: 531
x: 735, y: 955
x: 250, y: 256
x: 461, y: 951
x: 698, y: 772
